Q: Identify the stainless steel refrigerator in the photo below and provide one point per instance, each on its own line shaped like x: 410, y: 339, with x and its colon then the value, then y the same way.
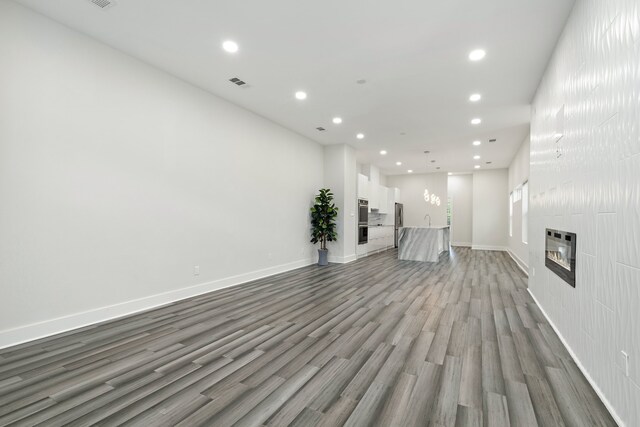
x: 398, y: 223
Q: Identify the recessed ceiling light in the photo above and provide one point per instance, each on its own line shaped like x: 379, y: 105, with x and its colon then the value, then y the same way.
x: 301, y: 95
x: 449, y: 174
x: 475, y: 97
x: 360, y: 136
x: 410, y: 171
x: 477, y: 166
x: 230, y: 46
x: 398, y: 163
x: 383, y: 152
x: 476, y: 121
x: 337, y: 120
x: 477, y: 55
x: 476, y: 157
x: 477, y: 142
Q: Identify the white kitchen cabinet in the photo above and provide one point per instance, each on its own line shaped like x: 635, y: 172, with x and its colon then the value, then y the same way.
x: 397, y: 196
x: 383, y: 200
x: 389, y: 238
x: 363, y: 187
x: 374, y: 197
x: 380, y: 239
x: 361, y: 250
x: 372, y: 244
x: 391, y: 205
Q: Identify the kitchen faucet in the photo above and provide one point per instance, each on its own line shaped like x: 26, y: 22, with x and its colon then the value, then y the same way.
x: 425, y: 217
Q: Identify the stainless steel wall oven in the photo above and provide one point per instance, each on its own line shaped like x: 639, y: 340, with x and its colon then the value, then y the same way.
x: 363, y: 234
x: 363, y: 212
x: 363, y: 221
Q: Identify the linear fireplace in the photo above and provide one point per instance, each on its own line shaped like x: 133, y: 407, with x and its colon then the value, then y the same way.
x: 560, y: 254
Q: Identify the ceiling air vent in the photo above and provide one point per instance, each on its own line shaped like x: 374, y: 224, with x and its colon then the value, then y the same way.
x: 237, y: 81
x: 320, y: 128
x: 492, y: 140
x: 103, y: 4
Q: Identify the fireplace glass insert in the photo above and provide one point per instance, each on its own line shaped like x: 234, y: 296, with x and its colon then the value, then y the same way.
x: 560, y: 254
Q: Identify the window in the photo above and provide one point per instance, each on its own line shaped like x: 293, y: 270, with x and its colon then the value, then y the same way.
x: 449, y: 211
x: 525, y: 212
x: 517, y: 194
x: 511, y: 214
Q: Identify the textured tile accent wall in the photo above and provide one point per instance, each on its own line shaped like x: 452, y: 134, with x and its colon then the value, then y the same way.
x: 585, y: 178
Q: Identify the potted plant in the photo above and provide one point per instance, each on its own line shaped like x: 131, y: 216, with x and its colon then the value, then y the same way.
x: 323, y: 226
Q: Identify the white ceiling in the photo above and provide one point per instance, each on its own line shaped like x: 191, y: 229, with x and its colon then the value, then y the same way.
x: 412, y: 53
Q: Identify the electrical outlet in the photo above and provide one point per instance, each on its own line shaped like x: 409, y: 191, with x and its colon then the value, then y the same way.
x: 196, y: 270
x: 625, y: 362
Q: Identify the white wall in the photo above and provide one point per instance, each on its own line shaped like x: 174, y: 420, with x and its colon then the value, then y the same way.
x: 518, y: 174
x: 490, y: 209
x: 460, y: 189
x: 412, y: 188
x: 593, y: 189
x: 340, y: 176
x: 116, y: 179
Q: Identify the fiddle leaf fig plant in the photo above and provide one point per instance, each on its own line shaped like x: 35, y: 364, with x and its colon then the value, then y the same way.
x: 323, y: 215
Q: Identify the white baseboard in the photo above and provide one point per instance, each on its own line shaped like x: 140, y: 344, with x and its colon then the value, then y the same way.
x: 524, y: 267
x: 10, y: 337
x: 462, y: 244
x: 599, y: 392
x: 488, y: 248
x: 343, y: 259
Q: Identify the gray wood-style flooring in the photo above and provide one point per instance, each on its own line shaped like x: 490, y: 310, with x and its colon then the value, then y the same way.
x: 375, y: 342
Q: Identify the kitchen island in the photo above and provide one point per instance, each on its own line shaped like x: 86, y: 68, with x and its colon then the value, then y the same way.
x: 422, y: 243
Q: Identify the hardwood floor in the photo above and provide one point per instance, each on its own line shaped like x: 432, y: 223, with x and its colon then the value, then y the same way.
x: 375, y: 342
